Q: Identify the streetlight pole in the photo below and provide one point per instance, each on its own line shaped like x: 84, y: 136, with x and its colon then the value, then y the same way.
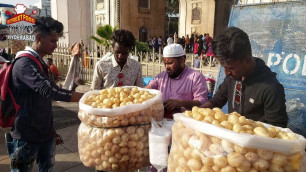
x: 169, y: 25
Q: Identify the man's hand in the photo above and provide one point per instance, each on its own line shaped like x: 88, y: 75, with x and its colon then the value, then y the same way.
x: 76, y: 96
x: 207, y: 105
x: 172, y: 104
x: 147, y: 86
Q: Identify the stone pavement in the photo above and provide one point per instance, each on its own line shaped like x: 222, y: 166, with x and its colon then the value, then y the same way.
x: 67, y: 157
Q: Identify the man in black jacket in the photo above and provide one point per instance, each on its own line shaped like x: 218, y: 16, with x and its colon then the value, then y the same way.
x: 33, y: 129
x: 250, y: 87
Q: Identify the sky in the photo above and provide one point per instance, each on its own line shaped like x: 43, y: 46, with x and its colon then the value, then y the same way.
x: 14, y: 2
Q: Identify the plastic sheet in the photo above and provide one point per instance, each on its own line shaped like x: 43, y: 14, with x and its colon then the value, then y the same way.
x: 201, y: 146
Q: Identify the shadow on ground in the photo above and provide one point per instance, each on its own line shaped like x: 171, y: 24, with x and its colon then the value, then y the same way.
x: 64, y: 118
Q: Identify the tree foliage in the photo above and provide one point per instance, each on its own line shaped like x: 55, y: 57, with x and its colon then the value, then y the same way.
x: 104, y: 35
x: 141, y: 47
x: 172, y: 6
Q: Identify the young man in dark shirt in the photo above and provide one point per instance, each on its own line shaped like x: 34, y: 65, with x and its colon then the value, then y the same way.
x: 33, y: 127
x: 250, y: 87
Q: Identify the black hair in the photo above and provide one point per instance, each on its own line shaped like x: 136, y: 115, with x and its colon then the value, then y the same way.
x: 124, y: 38
x: 47, y: 25
x: 231, y: 44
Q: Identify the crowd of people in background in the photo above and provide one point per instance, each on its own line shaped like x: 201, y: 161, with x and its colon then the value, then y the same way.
x: 199, y: 45
x: 155, y: 43
x: 5, y: 55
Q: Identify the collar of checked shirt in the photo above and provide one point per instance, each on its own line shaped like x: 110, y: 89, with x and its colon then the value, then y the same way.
x: 115, y: 64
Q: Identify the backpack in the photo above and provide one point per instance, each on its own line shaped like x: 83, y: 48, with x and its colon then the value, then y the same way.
x: 8, y: 105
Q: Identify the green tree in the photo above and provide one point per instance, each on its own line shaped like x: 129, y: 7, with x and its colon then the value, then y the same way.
x: 104, y: 35
x: 172, y: 6
x: 141, y: 47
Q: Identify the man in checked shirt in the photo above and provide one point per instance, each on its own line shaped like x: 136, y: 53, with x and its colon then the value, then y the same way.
x: 117, y: 68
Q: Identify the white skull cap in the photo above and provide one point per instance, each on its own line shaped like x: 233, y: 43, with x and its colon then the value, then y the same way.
x: 173, y: 50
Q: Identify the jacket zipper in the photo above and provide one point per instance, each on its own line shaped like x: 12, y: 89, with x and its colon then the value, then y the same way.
x: 242, y: 99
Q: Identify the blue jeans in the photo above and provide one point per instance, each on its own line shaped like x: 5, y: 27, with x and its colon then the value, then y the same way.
x: 44, y: 154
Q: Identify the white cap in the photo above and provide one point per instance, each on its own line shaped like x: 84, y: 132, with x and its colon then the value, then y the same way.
x: 173, y: 50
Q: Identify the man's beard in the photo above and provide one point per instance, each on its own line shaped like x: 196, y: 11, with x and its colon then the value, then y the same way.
x: 176, y: 73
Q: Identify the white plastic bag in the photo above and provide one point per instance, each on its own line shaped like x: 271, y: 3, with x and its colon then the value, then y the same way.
x: 73, y: 73
x: 246, y: 140
x: 123, y: 109
x: 200, y: 146
x: 159, y: 139
x: 114, y: 149
x: 131, y: 114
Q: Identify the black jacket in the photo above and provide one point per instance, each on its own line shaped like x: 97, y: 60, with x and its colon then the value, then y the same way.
x: 262, y: 96
x: 34, y: 93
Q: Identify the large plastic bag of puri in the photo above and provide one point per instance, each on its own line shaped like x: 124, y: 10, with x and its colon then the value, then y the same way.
x: 114, y: 149
x: 113, y: 135
x: 120, y: 106
x: 210, y: 141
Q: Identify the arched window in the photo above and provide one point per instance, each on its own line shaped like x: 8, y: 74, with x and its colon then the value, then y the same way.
x: 143, y: 34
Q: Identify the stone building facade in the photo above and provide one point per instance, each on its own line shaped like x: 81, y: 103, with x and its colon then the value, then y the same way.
x: 209, y: 16
x: 144, y: 18
x: 203, y: 16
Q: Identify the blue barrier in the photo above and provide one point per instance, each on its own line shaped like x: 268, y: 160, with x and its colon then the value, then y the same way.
x: 146, y: 80
x: 278, y: 35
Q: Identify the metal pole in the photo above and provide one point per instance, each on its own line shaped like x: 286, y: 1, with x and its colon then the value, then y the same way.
x: 168, y: 25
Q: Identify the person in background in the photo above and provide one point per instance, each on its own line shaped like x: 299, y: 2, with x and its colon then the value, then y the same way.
x: 169, y: 40
x: 250, y: 87
x: 187, y: 42
x: 196, y: 62
x: 73, y: 76
x: 155, y: 44
x: 117, y: 68
x: 208, y: 38
x: 191, y: 43
x: 4, y: 54
x: 52, y: 69
x: 149, y: 42
x: 195, y: 48
x: 182, y: 42
x: 153, y: 41
x: 207, y: 41
x: 160, y: 42
x: 211, y: 55
x: 200, y: 46
x: 205, y: 45
x: 33, y: 128
x: 181, y: 87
